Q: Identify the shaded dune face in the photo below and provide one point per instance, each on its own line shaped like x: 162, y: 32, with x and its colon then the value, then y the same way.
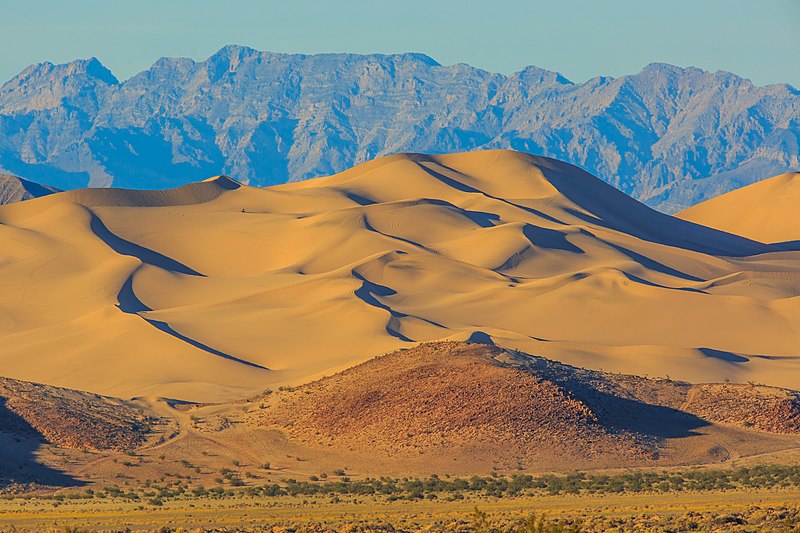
x: 214, y: 291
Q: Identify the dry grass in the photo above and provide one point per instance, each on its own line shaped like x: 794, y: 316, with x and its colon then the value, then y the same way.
x: 629, y: 512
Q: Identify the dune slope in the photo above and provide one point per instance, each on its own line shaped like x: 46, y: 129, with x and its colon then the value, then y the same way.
x: 765, y: 211
x: 215, y: 291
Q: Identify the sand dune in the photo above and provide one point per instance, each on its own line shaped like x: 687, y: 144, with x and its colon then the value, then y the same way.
x: 765, y: 211
x: 214, y: 291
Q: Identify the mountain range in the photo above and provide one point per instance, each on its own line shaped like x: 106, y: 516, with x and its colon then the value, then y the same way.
x: 668, y: 136
x: 15, y: 189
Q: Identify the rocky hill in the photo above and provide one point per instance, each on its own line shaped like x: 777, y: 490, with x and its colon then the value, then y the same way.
x: 436, y: 408
x: 669, y: 136
x: 442, y: 397
x: 70, y: 419
x: 14, y: 189
x: 472, y: 401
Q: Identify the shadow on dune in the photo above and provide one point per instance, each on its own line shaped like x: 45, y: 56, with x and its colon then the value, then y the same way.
x: 538, y: 237
x: 19, y: 442
x: 457, y: 185
x: 367, y: 293
x: 728, y: 357
x: 145, y: 255
x: 611, y: 208
x: 652, y: 264
x: 549, y: 238
x: 481, y: 218
x: 480, y: 337
x: 127, y: 300
x: 642, y: 281
x: 370, y: 227
x: 129, y: 303
x: 357, y: 198
x: 786, y: 246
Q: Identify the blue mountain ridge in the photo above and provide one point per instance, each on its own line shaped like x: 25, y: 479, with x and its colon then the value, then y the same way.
x: 668, y: 136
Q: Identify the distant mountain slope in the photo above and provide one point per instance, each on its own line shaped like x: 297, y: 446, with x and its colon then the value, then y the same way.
x: 215, y: 290
x: 668, y: 136
x: 766, y: 211
x: 14, y: 189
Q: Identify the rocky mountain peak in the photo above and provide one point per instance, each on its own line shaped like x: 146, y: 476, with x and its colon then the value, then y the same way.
x: 669, y: 136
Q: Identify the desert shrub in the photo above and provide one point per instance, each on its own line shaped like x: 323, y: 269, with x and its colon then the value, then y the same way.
x: 482, y: 523
x: 695, y: 479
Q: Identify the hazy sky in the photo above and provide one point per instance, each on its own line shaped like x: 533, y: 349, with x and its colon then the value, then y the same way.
x: 757, y: 39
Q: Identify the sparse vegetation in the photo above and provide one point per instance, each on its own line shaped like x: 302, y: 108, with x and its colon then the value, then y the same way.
x: 756, y: 478
x: 483, y: 523
x: 485, y: 518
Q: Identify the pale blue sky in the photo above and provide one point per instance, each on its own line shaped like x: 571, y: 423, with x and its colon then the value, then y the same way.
x: 757, y: 39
